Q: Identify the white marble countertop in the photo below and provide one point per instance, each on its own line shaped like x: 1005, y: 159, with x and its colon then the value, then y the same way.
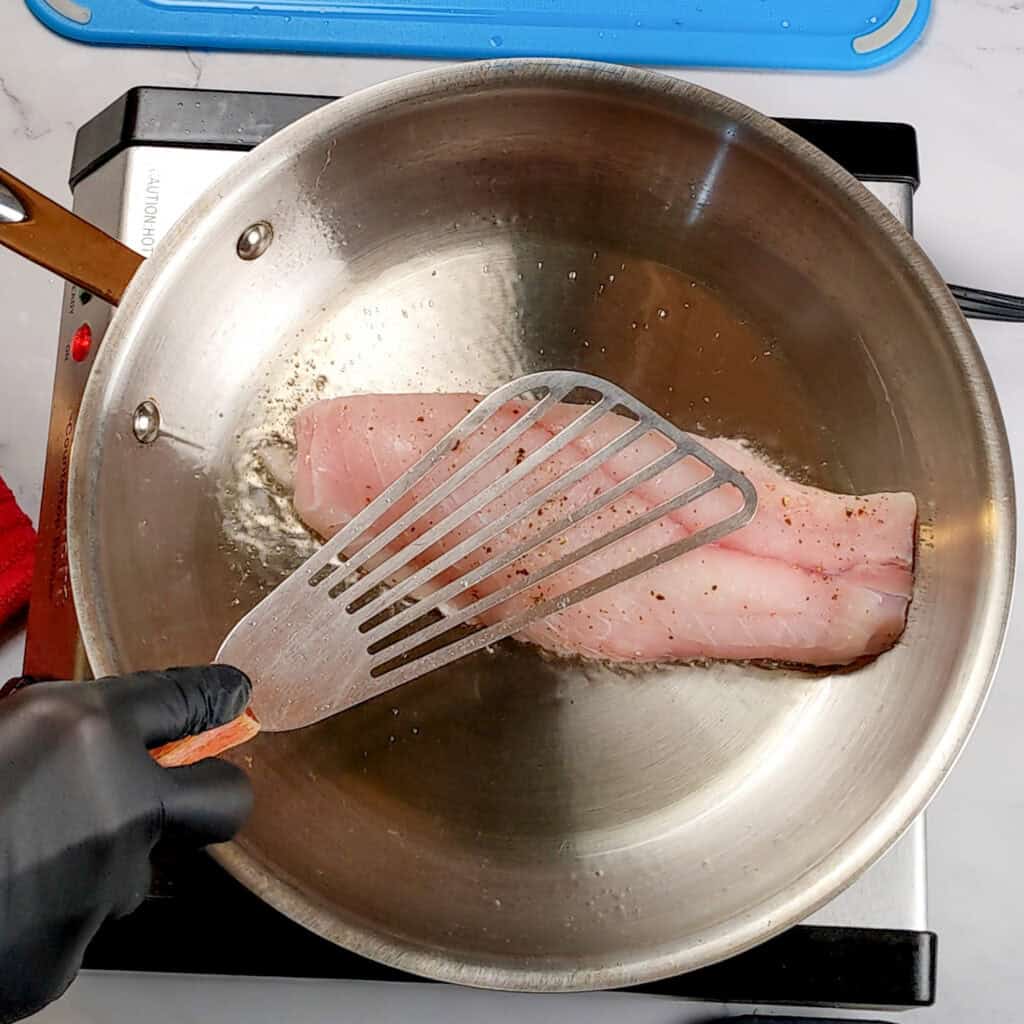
x: 963, y: 88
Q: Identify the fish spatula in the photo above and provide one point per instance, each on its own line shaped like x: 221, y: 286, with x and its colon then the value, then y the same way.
x: 382, y: 602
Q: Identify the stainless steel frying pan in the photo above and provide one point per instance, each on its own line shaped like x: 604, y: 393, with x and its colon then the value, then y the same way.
x: 516, y: 821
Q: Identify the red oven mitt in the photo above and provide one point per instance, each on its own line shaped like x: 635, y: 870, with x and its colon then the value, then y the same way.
x: 17, y: 555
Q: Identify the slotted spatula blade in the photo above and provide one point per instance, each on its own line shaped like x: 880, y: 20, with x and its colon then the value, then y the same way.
x: 374, y: 609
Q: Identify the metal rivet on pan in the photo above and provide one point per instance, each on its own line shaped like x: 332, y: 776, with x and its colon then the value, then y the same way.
x: 255, y: 240
x: 146, y: 422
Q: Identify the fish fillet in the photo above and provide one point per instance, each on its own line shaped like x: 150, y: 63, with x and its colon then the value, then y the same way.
x: 815, y: 578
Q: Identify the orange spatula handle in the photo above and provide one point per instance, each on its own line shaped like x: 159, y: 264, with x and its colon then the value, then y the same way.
x: 208, y: 744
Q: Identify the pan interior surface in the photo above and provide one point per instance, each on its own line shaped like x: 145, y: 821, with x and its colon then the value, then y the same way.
x: 517, y: 820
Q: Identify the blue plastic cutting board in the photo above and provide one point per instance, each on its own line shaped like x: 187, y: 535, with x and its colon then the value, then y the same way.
x: 835, y: 34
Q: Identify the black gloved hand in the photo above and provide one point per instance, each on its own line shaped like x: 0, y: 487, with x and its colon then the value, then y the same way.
x: 82, y: 805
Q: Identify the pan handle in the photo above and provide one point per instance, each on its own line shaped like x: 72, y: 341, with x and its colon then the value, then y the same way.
x: 48, y: 234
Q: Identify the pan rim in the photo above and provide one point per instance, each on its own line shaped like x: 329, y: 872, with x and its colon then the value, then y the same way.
x: 926, y: 770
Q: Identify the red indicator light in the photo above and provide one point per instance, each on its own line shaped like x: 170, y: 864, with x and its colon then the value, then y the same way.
x: 81, y: 343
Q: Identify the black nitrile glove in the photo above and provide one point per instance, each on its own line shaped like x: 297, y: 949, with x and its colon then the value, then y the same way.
x: 82, y: 805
